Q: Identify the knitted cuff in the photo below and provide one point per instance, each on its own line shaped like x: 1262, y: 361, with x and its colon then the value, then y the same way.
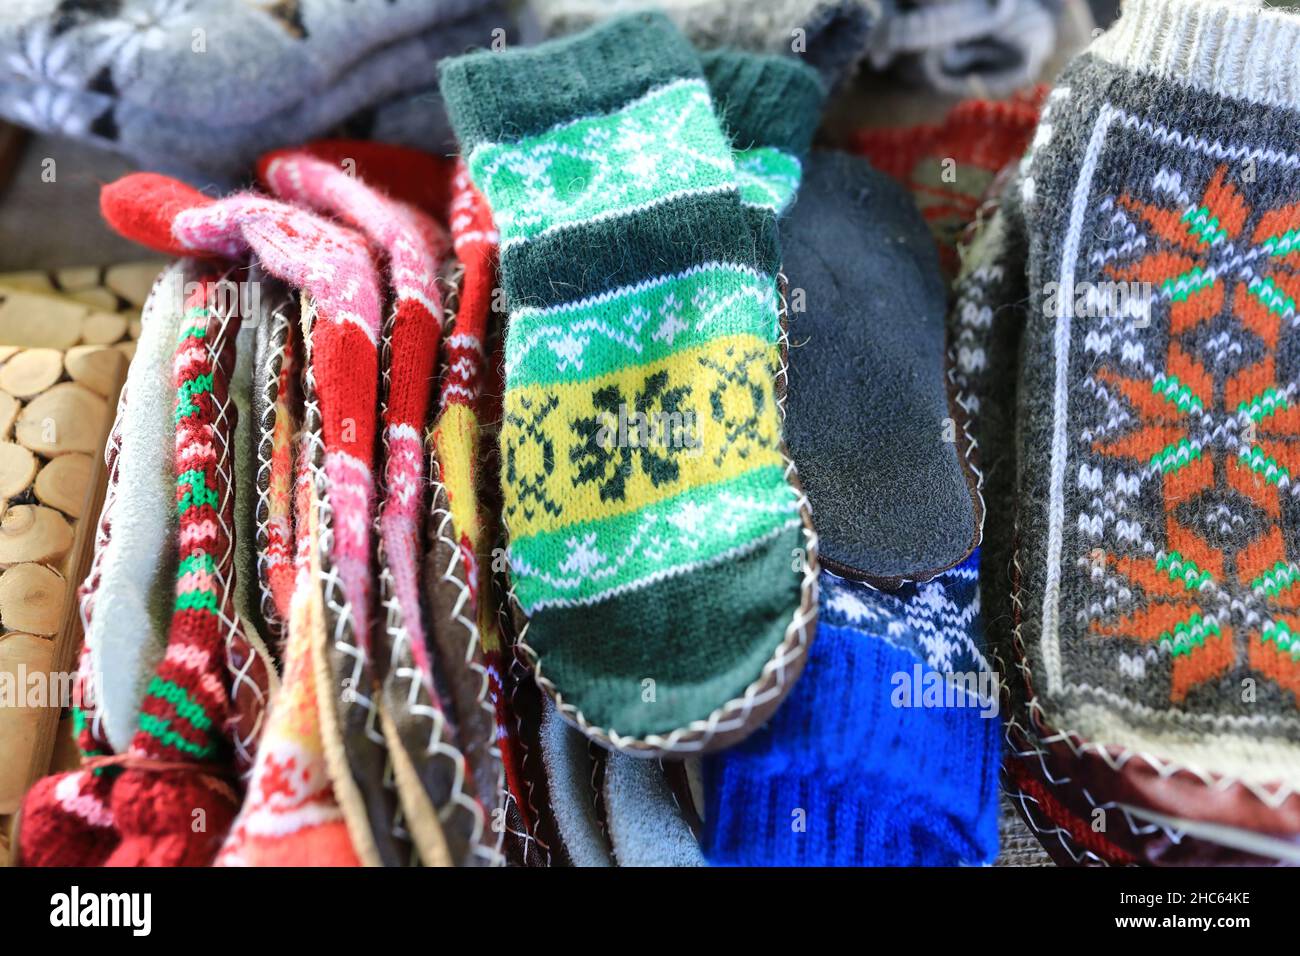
x: 1235, y: 48
x: 764, y: 100
x: 495, y: 97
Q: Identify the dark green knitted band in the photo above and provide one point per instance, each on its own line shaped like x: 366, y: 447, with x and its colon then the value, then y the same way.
x: 597, y: 257
x: 503, y: 97
x: 679, y: 643
x: 764, y: 100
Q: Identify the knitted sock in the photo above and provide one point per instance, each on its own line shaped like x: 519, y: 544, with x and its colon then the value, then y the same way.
x: 290, y: 816
x: 277, y: 410
x: 135, y: 553
x: 174, y: 801
x: 333, y: 266
x: 594, y: 196
x: 888, y: 490
x: 829, y: 35
x: 885, y: 754
x: 1153, y: 486
x: 949, y: 166
x: 445, y: 797
x: 95, y: 73
x: 459, y: 567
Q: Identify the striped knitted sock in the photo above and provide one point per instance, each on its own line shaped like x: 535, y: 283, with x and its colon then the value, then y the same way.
x: 173, y: 803
x: 637, y: 298
x: 876, y: 758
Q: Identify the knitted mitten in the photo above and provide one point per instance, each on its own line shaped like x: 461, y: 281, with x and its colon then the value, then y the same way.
x: 637, y: 298
x: 174, y: 801
x: 887, y: 751
x: 949, y: 166
x: 1153, y: 484
x: 334, y: 268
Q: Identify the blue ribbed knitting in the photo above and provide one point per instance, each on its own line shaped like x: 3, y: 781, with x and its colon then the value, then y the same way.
x: 878, y: 784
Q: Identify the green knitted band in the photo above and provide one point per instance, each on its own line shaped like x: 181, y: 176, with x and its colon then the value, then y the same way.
x: 752, y: 593
x: 506, y: 96
x: 577, y: 339
x: 764, y: 100
x: 599, y: 257
x: 695, y: 528
x: 605, y: 165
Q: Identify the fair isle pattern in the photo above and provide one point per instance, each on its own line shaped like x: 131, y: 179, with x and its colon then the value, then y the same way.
x: 594, y: 560
x: 662, y: 145
x: 623, y: 181
x: 1178, y: 510
x: 938, y: 621
x: 768, y: 177
x: 648, y: 321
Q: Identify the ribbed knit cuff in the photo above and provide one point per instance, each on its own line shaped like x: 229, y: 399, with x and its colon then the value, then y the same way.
x: 764, y: 100
x: 506, y: 96
x: 1234, y: 48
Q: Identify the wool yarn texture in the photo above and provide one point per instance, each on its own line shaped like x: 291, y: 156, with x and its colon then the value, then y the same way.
x: 334, y: 268
x: 889, y: 490
x: 1152, y: 480
x: 202, y: 90
x: 593, y: 195
x: 949, y: 167
x: 887, y: 751
x: 125, y: 599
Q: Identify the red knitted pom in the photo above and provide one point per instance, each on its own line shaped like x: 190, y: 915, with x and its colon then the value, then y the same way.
x: 168, y: 820
x: 141, y: 207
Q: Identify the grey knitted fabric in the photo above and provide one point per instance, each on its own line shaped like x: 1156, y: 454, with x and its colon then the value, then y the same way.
x: 1140, y: 480
x: 868, y: 421
x: 832, y: 36
x: 202, y: 89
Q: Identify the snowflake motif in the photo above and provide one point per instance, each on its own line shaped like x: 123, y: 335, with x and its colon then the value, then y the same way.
x: 1217, y: 428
